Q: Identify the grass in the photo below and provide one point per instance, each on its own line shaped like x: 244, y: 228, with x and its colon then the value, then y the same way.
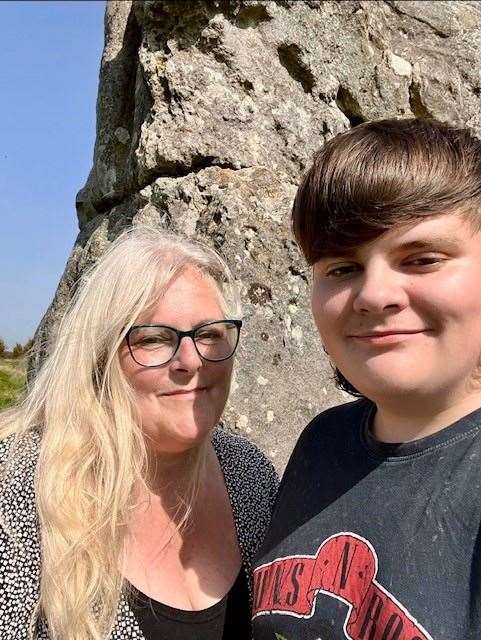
x: 12, y: 380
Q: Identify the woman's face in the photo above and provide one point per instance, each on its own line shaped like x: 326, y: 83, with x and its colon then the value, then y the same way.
x: 181, y: 401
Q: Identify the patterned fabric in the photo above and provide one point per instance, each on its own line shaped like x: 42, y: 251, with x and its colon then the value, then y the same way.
x: 251, y: 484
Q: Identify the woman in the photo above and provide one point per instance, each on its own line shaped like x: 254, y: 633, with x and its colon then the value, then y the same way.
x: 145, y: 516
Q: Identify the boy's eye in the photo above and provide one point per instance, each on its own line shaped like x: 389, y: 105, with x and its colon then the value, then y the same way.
x: 341, y: 270
x: 423, y: 261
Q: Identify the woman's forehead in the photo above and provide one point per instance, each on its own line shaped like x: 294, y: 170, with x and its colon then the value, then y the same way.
x: 191, y: 296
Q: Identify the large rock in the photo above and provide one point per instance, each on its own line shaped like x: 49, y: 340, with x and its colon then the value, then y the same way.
x: 208, y: 113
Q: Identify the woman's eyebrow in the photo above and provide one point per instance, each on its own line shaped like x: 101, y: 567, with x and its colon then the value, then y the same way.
x: 206, y: 321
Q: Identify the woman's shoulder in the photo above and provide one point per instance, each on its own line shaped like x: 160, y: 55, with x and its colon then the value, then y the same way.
x: 19, y: 533
x: 224, y: 439
x: 18, y: 458
x: 241, y: 451
x: 244, y: 465
x: 6, y: 447
x: 252, y: 484
x: 26, y: 445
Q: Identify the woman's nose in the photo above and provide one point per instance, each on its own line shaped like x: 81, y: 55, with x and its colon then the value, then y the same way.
x: 187, y: 357
x: 380, y: 289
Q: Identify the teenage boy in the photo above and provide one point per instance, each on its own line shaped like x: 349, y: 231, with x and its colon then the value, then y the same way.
x: 376, y: 530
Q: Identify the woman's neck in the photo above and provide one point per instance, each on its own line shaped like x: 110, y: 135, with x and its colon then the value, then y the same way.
x: 170, y: 476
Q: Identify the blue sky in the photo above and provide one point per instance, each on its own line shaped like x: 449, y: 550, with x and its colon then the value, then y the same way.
x: 49, y: 70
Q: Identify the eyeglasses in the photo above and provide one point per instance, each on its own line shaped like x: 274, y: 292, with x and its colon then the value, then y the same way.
x: 152, y: 345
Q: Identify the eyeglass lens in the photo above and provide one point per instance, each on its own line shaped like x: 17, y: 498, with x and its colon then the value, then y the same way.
x: 153, y: 346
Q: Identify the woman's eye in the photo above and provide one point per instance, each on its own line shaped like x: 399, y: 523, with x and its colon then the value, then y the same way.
x: 208, y: 335
x: 155, y: 340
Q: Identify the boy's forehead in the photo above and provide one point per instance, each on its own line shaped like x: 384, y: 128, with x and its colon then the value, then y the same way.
x: 450, y: 230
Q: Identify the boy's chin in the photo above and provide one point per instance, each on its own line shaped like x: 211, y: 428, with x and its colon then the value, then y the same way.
x: 393, y: 386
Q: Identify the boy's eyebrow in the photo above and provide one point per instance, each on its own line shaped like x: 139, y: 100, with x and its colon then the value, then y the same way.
x: 411, y: 245
x: 443, y: 241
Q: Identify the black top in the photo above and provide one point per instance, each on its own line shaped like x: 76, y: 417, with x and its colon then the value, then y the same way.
x: 374, y: 541
x: 228, y: 619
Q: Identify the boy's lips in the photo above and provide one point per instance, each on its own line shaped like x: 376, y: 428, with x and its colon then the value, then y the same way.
x: 386, y: 332
x: 386, y: 337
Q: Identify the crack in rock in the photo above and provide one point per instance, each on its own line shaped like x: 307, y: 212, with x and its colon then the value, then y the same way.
x: 400, y: 12
x: 290, y: 57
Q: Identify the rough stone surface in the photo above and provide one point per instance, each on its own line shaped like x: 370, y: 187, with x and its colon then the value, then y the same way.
x: 208, y: 113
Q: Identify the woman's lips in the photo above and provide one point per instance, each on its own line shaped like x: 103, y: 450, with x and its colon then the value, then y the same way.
x: 184, y: 392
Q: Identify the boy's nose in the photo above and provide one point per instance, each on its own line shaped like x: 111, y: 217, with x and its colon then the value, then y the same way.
x: 380, y: 289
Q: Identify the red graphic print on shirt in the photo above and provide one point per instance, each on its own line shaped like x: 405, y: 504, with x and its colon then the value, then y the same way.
x: 344, y: 567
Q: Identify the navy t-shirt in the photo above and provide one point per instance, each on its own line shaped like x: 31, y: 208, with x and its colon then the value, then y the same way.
x: 373, y: 541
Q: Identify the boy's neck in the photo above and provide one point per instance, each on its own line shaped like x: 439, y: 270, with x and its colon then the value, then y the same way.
x: 404, y: 423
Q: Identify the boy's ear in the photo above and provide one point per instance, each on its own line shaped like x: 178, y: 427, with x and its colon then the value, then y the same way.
x: 340, y: 381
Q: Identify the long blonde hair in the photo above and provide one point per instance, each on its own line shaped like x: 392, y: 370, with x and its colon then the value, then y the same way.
x: 92, y: 451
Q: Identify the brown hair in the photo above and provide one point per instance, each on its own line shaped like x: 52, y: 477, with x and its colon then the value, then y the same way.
x: 381, y: 174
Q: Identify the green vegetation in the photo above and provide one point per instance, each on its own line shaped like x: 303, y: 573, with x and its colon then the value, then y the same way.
x: 12, y: 380
x: 12, y: 371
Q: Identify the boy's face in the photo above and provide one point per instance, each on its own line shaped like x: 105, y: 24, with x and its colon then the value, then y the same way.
x: 401, y: 316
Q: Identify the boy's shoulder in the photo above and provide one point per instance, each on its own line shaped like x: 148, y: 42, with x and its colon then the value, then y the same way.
x: 330, y: 434
x: 343, y: 416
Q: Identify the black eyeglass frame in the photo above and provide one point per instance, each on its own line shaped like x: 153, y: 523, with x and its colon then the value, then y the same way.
x: 183, y: 334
